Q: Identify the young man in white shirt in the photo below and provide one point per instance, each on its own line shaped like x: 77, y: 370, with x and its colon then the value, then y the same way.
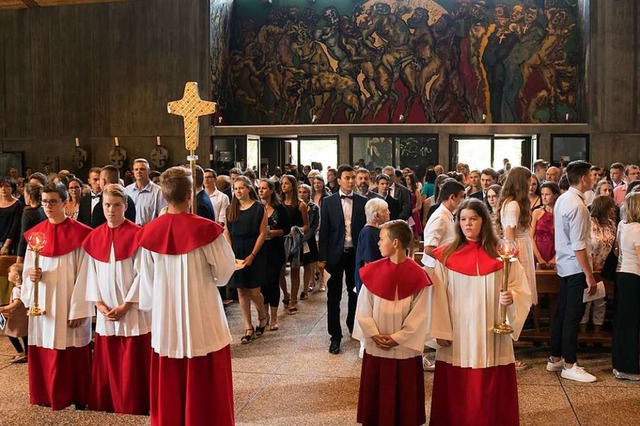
x: 572, y: 223
x: 219, y: 200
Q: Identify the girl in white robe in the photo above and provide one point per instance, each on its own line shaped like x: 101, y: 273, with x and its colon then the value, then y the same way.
x: 475, y: 377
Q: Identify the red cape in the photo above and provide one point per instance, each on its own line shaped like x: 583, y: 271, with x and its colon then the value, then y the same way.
x: 62, y: 238
x: 178, y: 233
x: 123, y: 238
x: 470, y: 260
x: 383, y: 278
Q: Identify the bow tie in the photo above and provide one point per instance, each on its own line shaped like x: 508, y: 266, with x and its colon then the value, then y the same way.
x: 95, y: 196
x: 350, y: 197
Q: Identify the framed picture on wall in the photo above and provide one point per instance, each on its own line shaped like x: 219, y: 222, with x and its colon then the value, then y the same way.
x: 566, y: 148
x: 9, y: 160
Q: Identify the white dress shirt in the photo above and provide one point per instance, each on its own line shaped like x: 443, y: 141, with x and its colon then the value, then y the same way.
x: 220, y: 203
x: 572, y: 223
x: 440, y: 229
x: 347, y: 210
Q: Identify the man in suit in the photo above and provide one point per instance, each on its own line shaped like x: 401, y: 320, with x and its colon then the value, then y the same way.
x: 399, y: 192
x: 110, y: 174
x: 363, y: 182
x: 383, y: 192
x: 342, y: 218
x: 487, y: 178
x: 205, y: 207
x: 89, y: 201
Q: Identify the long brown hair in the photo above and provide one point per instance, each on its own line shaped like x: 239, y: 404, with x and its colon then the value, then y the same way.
x: 489, y: 239
x: 516, y: 188
x: 233, y: 211
x: 294, y: 190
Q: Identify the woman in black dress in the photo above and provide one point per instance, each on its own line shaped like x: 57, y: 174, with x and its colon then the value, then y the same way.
x: 245, y: 231
x: 10, y: 216
x: 277, y: 228
x: 298, y: 218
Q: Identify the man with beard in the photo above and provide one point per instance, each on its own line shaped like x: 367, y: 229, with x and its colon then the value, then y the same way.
x: 363, y: 182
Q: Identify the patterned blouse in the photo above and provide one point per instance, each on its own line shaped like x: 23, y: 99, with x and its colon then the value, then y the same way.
x: 602, y: 238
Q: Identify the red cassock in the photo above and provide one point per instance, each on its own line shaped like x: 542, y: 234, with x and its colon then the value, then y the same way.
x: 195, y: 390
x: 392, y: 382
x: 475, y: 378
x: 58, y: 377
x: 121, y: 363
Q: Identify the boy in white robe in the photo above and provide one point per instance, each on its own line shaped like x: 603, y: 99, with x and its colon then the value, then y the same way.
x: 184, y: 258
x: 391, y: 320
x: 122, y: 351
x: 59, y: 354
x: 475, y: 376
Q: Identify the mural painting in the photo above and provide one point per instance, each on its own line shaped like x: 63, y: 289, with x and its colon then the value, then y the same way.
x: 415, y: 61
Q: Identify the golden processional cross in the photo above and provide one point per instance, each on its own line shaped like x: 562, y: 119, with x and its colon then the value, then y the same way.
x: 191, y: 107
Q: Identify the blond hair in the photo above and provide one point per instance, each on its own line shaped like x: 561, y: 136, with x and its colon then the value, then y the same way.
x: 632, y: 207
x: 115, y: 190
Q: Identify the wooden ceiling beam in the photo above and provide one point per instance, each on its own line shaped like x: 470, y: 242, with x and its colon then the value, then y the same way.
x: 30, y: 3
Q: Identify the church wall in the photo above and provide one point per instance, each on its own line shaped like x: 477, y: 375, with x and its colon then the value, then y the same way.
x: 99, y: 71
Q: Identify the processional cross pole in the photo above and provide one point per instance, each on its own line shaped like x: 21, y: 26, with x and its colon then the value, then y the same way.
x: 191, y: 107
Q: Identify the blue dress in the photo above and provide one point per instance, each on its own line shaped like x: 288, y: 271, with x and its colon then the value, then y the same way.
x: 367, y: 250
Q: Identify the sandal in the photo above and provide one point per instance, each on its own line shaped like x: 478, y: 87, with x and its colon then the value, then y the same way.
x: 311, y: 288
x: 274, y: 327
x: 293, y: 310
x: 285, y: 302
x: 303, y: 296
x: 261, y: 327
x: 249, y: 334
x: 521, y: 365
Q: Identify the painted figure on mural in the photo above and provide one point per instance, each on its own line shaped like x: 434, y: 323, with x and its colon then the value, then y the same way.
x: 417, y: 61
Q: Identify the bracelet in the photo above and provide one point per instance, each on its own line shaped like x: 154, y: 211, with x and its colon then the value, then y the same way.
x: 252, y: 255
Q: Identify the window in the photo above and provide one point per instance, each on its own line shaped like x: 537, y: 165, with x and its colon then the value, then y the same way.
x: 569, y: 147
x: 480, y: 152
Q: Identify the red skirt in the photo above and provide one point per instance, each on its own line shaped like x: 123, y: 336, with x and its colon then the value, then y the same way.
x: 474, y: 396
x: 59, y: 377
x: 192, y: 391
x: 120, y: 374
x: 391, y: 391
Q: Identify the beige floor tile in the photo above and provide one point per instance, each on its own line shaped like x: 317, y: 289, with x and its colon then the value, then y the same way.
x: 599, y: 406
x: 544, y: 406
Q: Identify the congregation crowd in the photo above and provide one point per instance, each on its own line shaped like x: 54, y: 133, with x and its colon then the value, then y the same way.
x: 127, y: 247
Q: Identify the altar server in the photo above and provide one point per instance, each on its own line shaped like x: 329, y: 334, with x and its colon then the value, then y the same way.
x: 183, y: 259
x: 475, y: 376
x: 391, y: 320
x: 122, y: 353
x: 59, y: 355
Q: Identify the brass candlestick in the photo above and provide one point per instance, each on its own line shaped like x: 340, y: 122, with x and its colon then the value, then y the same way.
x: 507, y: 250
x: 36, y: 241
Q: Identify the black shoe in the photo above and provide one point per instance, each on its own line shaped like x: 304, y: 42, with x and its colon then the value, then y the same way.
x: 334, y: 347
x: 80, y: 407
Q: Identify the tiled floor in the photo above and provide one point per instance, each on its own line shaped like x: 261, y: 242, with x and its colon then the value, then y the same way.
x: 287, y: 377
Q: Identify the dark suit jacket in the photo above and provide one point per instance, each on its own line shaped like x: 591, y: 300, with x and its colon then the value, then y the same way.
x: 403, y: 195
x: 478, y: 195
x: 84, y: 210
x: 394, y: 207
x: 98, y: 217
x: 205, y: 208
x: 332, y: 232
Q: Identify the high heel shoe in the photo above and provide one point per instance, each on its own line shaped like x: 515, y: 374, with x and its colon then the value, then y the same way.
x: 249, y: 335
x: 261, y: 327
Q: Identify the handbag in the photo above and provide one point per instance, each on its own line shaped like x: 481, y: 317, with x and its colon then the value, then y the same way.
x: 610, y: 265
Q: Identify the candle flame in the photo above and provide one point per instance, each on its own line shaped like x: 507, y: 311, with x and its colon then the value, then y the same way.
x: 507, y: 248
x: 37, y: 241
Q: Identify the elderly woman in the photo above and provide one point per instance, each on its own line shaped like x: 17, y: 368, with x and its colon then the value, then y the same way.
x: 377, y: 212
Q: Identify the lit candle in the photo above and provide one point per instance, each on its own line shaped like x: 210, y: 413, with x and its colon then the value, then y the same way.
x: 116, y: 141
x: 158, y: 140
x: 77, y: 142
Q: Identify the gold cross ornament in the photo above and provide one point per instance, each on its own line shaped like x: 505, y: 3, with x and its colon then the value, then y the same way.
x: 191, y: 107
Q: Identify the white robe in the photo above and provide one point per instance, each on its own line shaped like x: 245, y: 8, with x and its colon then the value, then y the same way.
x: 115, y: 283
x: 404, y: 320
x: 61, y: 298
x: 465, y: 311
x: 188, y: 317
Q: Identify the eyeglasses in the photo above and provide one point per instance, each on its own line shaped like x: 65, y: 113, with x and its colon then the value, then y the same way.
x: 50, y: 202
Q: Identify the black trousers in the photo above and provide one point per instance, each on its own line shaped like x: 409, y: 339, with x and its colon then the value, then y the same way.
x: 346, y: 267
x: 271, y: 290
x: 566, y: 323
x: 16, y: 344
x: 626, y: 323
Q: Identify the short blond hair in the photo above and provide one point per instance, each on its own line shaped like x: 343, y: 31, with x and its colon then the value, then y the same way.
x: 176, y: 183
x: 115, y: 190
